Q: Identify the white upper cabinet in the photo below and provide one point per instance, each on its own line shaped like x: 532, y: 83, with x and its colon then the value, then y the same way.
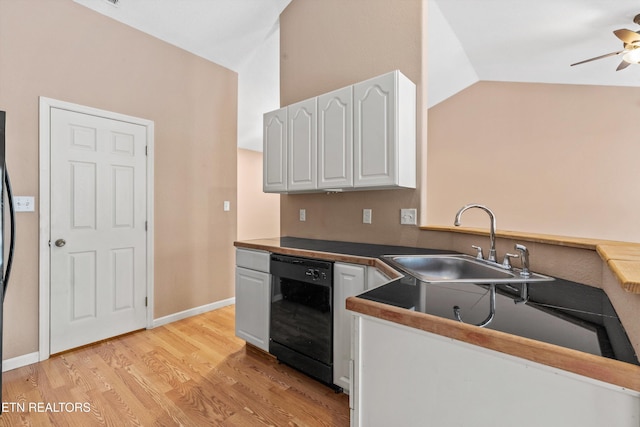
x: 359, y: 137
x: 302, y: 134
x: 274, y: 173
x: 335, y: 139
x: 385, y: 132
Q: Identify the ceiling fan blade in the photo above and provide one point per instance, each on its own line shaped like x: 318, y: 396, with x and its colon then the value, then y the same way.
x: 624, y: 64
x: 627, y: 36
x: 598, y: 57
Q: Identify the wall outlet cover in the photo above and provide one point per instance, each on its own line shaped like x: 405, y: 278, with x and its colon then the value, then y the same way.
x: 303, y: 214
x: 408, y: 216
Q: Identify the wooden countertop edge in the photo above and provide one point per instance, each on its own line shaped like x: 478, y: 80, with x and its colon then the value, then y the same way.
x: 330, y: 256
x: 628, y: 273
x: 575, y: 242
x: 599, y: 368
x: 622, y: 258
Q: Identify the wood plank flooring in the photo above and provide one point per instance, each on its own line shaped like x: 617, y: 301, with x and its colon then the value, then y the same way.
x: 193, y: 372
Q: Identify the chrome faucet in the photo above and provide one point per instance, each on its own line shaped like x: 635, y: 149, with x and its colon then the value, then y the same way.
x: 492, y: 229
x: 524, y: 256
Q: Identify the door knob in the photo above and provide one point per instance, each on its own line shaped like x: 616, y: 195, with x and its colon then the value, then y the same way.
x: 60, y: 243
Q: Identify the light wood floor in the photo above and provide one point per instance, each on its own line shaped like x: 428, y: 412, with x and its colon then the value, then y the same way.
x: 193, y: 372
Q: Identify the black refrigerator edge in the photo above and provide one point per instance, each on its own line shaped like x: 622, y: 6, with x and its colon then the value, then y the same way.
x: 5, y: 269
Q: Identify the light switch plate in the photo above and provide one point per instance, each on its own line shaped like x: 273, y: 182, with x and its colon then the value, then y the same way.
x: 226, y: 206
x: 24, y: 203
x: 408, y: 216
x: 303, y: 214
x: 366, y: 216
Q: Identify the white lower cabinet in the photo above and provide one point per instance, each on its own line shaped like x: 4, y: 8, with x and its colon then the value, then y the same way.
x: 375, y: 278
x: 253, y: 297
x: 348, y: 280
x: 408, y: 377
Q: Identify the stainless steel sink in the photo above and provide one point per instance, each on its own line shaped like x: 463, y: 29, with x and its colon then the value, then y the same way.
x: 458, y: 269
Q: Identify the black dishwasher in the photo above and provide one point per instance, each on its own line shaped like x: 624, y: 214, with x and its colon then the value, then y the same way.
x: 301, y: 320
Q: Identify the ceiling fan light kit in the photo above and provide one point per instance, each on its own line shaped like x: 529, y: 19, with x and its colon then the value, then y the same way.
x: 632, y: 57
x: 631, y: 44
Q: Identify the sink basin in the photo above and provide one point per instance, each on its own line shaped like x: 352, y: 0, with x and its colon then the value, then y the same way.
x: 458, y: 269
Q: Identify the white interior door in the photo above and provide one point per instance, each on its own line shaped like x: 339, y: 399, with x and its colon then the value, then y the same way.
x: 97, y: 228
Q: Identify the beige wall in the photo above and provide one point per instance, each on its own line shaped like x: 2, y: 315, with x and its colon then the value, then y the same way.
x: 258, y: 212
x: 325, y: 45
x: 553, y: 159
x: 61, y: 50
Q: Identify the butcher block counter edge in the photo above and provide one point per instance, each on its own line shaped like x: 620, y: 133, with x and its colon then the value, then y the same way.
x: 273, y: 245
x: 622, y: 258
x: 610, y: 371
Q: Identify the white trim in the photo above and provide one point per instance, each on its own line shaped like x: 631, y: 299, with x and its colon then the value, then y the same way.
x: 193, y: 311
x: 45, y: 201
x: 20, y: 361
x: 44, y: 233
x: 35, y: 357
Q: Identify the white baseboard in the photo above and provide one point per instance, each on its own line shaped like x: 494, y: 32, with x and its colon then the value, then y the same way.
x: 192, y: 312
x: 28, y: 359
x: 20, y: 361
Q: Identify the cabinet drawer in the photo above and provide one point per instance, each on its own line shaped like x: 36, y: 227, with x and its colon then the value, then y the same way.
x: 253, y: 259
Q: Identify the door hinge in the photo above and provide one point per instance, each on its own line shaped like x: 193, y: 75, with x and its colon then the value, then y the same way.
x: 146, y: 226
x: 146, y: 150
x: 146, y: 301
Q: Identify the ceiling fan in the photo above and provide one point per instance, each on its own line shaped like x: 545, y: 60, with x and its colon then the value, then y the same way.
x: 631, y: 44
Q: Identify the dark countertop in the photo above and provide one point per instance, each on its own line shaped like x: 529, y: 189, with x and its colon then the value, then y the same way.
x: 565, y: 314
x: 561, y: 312
x: 356, y: 249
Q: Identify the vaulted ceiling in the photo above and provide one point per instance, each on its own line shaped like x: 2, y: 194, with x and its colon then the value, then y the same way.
x: 526, y: 41
x: 469, y: 40
x: 227, y: 32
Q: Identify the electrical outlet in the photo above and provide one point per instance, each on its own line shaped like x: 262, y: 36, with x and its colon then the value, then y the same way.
x: 303, y: 214
x: 408, y: 216
x: 226, y: 206
x: 366, y: 216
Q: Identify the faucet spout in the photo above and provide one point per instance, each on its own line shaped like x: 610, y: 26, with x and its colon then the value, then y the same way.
x: 492, y: 226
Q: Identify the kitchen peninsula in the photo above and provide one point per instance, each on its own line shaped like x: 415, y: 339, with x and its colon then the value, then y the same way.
x: 535, y: 354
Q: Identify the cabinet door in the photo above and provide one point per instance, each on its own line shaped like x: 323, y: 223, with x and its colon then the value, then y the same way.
x: 335, y: 139
x: 302, y: 133
x: 408, y: 377
x: 375, y: 278
x: 348, y: 280
x: 253, y: 295
x: 374, y: 131
x: 274, y: 172
x: 385, y: 132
